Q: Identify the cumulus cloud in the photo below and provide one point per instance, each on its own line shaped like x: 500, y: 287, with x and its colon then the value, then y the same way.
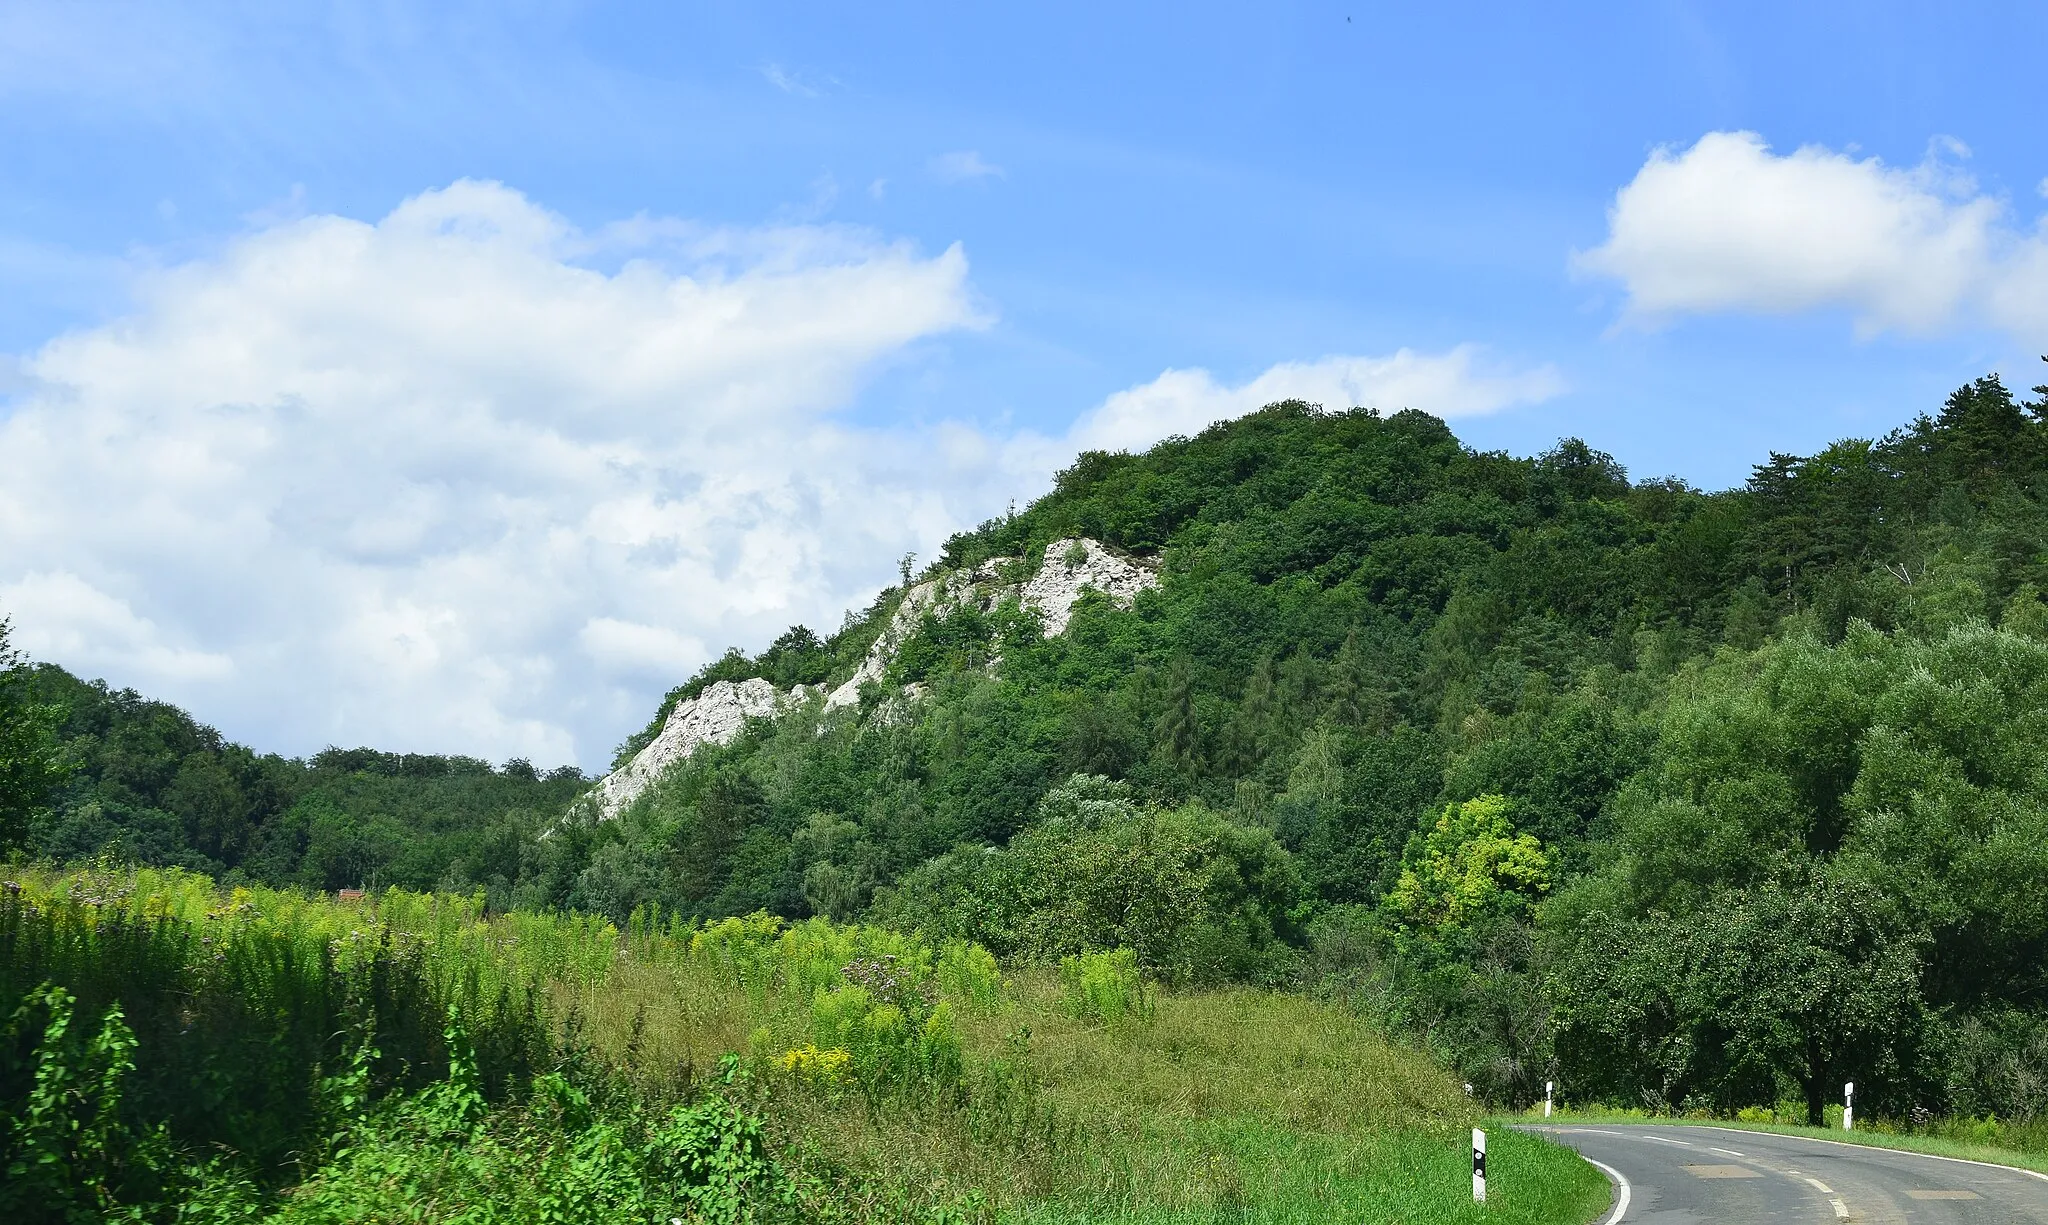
x: 965, y: 166
x: 1454, y: 383
x: 64, y: 617
x: 437, y: 482
x: 1728, y: 225
x: 430, y: 482
x: 1186, y: 401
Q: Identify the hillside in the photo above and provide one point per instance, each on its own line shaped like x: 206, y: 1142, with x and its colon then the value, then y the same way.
x: 1658, y: 792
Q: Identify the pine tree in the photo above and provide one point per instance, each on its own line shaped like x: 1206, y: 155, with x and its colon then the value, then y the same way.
x: 1344, y: 690
x: 1248, y: 737
x: 1179, y: 732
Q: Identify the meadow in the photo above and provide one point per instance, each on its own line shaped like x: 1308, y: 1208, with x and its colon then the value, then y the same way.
x: 178, y: 1051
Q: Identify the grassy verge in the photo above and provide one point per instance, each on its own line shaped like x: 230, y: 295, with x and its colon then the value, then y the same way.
x: 1935, y: 1145
x: 430, y: 1061
x: 1232, y: 1104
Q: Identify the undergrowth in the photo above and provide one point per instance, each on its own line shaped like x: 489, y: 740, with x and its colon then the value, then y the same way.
x: 176, y: 1052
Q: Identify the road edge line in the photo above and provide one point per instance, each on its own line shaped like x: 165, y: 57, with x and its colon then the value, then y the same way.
x: 1879, y: 1148
x: 1621, y: 1188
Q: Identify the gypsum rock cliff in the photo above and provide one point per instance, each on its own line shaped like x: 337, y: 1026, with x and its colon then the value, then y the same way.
x: 717, y: 715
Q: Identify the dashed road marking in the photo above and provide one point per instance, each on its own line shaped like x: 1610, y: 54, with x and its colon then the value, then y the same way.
x: 1725, y: 1152
x: 1820, y: 1186
x: 1841, y: 1209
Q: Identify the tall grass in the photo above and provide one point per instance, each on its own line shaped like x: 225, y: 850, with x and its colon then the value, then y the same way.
x: 238, y: 1000
x: 893, y: 1078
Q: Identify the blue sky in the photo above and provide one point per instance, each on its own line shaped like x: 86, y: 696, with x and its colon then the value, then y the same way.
x: 970, y: 233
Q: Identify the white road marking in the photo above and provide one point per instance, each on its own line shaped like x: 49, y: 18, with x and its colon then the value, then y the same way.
x: 1841, y: 1209
x: 1725, y: 1152
x: 1621, y: 1189
x: 1877, y: 1148
x: 1663, y: 1140
x: 1820, y: 1186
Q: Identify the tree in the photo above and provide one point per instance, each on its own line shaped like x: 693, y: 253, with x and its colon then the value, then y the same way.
x: 30, y: 768
x: 1179, y: 729
x: 1469, y: 863
x: 1790, y: 985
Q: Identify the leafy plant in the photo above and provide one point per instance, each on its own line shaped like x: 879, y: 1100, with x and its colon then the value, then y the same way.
x: 1105, y: 988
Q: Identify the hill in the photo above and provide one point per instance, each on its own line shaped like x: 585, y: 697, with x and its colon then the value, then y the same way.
x: 1658, y: 792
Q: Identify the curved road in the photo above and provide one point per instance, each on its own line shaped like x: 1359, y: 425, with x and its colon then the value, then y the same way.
x: 1678, y: 1175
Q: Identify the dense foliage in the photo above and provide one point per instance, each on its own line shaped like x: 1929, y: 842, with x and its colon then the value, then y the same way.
x: 1676, y: 797
x: 141, y: 780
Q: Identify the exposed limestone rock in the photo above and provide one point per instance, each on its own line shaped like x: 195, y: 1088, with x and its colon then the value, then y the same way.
x: 1072, y: 566
x: 712, y: 717
x: 717, y: 715
x: 915, y: 602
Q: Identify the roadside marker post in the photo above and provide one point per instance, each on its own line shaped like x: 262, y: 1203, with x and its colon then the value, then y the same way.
x: 1549, y: 1090
x: 1848, y: 1105
x: 1478, y: 1166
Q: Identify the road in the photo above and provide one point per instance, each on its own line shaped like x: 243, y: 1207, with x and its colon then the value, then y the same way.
x: 1678, y: 1175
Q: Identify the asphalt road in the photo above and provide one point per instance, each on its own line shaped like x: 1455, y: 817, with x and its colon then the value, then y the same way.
x: 1677, y: 1175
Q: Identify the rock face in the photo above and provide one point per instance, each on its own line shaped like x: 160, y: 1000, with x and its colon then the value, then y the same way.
x: 915, y: 602
x: 712, y: 717
x: 1072, y: 566
x: 717, y: 715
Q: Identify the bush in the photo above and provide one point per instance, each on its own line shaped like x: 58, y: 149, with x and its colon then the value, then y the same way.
x: 1105, y: 988
x: 895, y: 1030
x: 1197, y: 897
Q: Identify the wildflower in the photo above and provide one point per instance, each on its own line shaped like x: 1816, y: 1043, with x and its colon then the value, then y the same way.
x: 807, y: 1060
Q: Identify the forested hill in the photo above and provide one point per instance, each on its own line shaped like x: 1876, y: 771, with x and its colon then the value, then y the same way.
x: 1674, y: 796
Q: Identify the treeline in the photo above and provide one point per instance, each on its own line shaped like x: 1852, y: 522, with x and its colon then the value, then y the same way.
x: 1677, y: 797
x: 144, y: 782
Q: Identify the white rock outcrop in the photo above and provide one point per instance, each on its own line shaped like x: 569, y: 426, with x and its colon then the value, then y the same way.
x: 1073, y: 566
x: 714, y: 716
x: 901, y: 624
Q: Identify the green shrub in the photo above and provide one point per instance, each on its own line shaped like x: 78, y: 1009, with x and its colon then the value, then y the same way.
x: 896, y: 1031
x: 1105, y: 988
x: 1198, y: 897
x: 969, y: 973
x: 64, y: 1149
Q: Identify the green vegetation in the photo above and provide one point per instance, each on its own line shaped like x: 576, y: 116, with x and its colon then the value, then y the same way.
x: 177, y: 1051
x: 1698, y: 801
x: 141, y: 780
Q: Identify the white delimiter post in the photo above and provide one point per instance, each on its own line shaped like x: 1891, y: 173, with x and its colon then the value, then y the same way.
x: 1848, y: 1105
x: 1549, y: 1089
x: 1478, y: 1166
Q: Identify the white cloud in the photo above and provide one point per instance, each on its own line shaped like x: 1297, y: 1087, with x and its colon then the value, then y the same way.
x: 1185, y: 402
x: 1728, y: 225
x: 61, y: 615
x: 431, y: 484
x: 965, y: 166
x: 790, y: 82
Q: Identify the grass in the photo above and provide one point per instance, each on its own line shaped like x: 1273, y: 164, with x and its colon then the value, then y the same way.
x: 982, y: 1097
x: 1227, y: 1105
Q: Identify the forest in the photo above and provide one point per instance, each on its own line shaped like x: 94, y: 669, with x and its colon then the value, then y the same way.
x: 1690, y: 801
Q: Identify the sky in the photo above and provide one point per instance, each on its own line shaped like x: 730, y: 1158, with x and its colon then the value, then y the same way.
x: 457, y: 378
